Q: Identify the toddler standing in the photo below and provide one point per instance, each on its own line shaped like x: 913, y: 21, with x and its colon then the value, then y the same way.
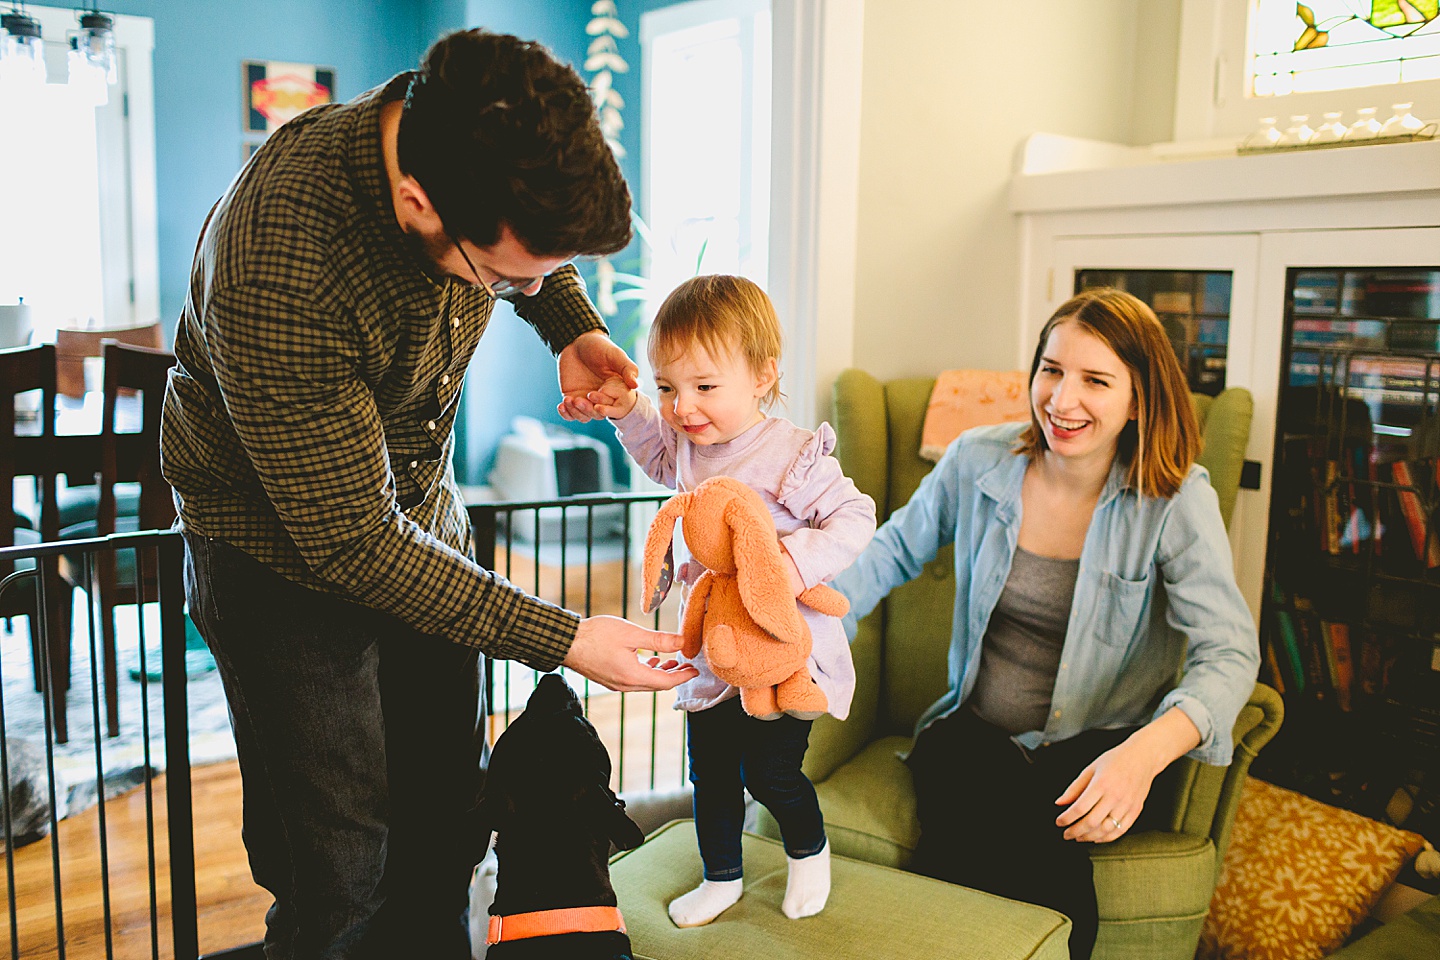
x: 715, y: 349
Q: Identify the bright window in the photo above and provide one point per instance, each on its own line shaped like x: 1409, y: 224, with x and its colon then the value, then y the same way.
x: 706, y: 154
x: 1341, y: 44
x: 79, y: 238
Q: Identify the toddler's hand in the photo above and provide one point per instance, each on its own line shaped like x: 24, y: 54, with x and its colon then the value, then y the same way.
x: 613, y: 399
x: 797, y: 584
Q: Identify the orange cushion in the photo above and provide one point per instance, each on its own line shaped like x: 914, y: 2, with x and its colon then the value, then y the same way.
x: 1298, y: 876
x: 971, y: 398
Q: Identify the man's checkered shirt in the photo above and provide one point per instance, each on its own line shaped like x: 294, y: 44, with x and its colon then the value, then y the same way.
x: 309, y: 417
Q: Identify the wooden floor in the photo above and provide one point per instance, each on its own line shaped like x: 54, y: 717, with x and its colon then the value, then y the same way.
x: 232, y: 907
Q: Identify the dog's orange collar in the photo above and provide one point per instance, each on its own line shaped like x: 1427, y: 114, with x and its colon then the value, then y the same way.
x: 548, y: 923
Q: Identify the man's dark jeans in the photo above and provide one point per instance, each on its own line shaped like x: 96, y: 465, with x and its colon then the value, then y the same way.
x: 731, y: 751
x: 361, y: 745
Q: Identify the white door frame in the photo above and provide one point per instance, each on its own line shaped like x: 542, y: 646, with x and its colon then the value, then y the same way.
x: 814, y: 194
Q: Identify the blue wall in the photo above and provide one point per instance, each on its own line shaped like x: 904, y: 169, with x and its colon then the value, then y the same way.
x: 199, y: 45
x: 513, y: 372
x: 198, y: 48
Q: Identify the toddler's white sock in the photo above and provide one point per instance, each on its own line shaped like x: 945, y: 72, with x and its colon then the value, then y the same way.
x: 807, y: 884
x: 708, y: 901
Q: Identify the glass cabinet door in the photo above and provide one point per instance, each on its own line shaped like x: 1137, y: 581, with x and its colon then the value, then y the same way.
x: 1203, y: 288
x: 1351, y: 630
x: 1194, y: 307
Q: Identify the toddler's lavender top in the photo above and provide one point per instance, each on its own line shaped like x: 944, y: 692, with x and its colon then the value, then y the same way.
x: 822, y: 518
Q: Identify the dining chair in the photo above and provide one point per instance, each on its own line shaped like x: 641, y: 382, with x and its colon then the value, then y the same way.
x: 79, y: 500
x: 24, y: 370
x: 73, y: 346
x: 128, y: 575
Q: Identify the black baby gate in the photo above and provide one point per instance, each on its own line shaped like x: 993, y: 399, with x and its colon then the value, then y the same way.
x: 119, y: 878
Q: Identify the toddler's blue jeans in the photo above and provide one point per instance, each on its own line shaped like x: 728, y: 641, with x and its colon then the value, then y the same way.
x: 731, y: 751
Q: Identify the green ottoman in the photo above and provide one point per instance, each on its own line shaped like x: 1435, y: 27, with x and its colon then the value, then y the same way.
x: 875, y: 912
x: 1411, y: 936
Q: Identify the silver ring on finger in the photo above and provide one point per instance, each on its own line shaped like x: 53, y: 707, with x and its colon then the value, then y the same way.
x: 1116, y: 822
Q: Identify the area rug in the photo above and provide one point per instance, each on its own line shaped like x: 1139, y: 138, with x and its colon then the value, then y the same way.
x: 123, y: 758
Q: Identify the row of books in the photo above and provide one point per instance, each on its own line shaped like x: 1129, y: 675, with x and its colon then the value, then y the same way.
x: 1366, y: 334
x: 1401, y: 378
x: 1190, y: 329
x: 1348, y: 664
x: 1411, y: 293
x: 1363, y: 507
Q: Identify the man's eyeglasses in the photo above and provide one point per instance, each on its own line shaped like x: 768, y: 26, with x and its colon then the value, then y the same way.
x: 505, y: 288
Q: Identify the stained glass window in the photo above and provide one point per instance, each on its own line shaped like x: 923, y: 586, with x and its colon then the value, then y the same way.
x: 1339, y: 44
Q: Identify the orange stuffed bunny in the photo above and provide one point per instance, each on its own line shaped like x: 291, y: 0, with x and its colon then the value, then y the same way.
x: 742, y: 606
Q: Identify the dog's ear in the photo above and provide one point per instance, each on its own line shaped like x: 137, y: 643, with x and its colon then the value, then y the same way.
x: 659, y: 569
x: 494, y: 810
x: 608, y: 811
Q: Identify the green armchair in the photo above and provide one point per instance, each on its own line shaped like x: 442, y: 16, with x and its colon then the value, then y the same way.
x: 1153, y: 888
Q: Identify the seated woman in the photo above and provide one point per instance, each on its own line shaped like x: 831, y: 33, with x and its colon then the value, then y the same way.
x: 1091, y: 568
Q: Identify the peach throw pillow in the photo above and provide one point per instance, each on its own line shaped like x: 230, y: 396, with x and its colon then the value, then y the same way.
x: 971, y: 398
x: 1298, y: 876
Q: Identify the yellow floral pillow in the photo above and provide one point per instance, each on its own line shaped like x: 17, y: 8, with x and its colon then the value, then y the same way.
x: 1298, y: 876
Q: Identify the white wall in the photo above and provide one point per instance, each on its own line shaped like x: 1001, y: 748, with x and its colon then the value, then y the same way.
x: 949, y: 90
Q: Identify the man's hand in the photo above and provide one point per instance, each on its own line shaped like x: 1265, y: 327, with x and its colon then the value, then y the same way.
x: 606, y: 649
x: 585, y: 365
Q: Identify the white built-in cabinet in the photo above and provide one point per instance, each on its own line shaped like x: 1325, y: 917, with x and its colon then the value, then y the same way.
x: 1255, y: 216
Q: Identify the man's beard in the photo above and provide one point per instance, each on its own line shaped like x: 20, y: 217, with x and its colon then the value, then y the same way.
x: 428, y: 251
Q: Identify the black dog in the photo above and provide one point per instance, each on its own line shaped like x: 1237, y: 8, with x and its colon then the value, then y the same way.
x: 547, y: 797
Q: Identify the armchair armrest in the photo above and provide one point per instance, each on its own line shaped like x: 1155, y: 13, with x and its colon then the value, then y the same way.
x: 834, y: 742
x: 1207, y: 796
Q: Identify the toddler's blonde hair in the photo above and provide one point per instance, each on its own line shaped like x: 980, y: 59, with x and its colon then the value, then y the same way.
x: 722, y: 314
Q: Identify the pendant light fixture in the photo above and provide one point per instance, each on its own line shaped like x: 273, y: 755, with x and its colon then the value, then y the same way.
x: 22, y: 57
x: 92, y: 56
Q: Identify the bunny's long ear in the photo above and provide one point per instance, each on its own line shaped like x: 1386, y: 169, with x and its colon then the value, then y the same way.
x: 764, y: 584
x: 659, y: 568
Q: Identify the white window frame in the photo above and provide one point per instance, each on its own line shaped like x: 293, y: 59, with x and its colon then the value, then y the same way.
x: 684, y: 22
x: 1210, y: 91
x: 814, y: 192
x: 129, y: 233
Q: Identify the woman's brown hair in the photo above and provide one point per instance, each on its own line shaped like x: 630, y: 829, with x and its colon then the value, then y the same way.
x: 721, y: 313
x: 1163, y: 441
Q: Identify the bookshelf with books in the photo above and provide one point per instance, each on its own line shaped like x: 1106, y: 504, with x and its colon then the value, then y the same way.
x: 1350, y: 626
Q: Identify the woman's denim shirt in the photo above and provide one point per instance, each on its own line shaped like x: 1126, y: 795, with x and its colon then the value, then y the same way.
x: 1156, y: 593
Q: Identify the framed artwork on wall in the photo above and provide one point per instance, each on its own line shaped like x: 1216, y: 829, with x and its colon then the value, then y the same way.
x: 275, y: 91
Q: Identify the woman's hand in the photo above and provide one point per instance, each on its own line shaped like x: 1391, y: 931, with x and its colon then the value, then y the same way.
x: 1104, y: 800
x: 1107, y: 796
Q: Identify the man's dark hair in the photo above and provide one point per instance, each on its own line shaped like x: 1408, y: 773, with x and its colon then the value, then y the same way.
x: 496, y: 130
